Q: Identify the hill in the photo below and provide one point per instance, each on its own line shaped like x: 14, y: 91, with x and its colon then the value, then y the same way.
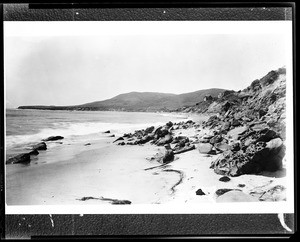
x: 140, y: 101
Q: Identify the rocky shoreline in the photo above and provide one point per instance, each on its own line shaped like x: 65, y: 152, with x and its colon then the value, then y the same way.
x: 245, y: 135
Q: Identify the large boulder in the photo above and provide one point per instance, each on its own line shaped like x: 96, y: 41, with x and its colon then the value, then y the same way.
x: 256, y: 158
x: 234, y: 164
x: 168, y: 156
x: 272, y: 155
x: 165, y: 140
x: 21, y: 158
x: 204, y: 148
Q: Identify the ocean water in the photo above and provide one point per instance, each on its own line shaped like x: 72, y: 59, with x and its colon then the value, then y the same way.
x: 26, y: 127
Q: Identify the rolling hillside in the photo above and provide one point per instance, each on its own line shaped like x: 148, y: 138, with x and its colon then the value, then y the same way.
x: 140, y: 101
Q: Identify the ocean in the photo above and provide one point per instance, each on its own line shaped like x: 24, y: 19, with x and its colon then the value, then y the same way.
x: 27, y: 127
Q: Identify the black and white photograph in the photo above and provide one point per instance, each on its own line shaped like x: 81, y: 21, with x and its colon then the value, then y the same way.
x: 148, y: 117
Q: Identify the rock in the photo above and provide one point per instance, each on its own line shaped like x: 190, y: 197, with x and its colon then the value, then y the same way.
x: 235, y: 147
x: 259, y: 126
x: 276, y: 152
x: 149, y: 129
x: 274, y: 144
x: 168, y: 157
x: 127, y: 135
x: 21, y: 158
x: 225, y: 126
x: 235, y: 164
x: 121, y: 143
x: 266, y: 135
x: 272, y: 122
x: 216, y: 139
x: 169, y: 124
x: 276, y: 193
x: 161, y: 132
x: 200, y: 192
x: 165, y: 156
x: 224, y: 179
x: 184, y: 149
x: 235, y: 123
x: 236, y: 132
x: 249, y: 141
x: 204, y: 148
x: 203, y: 140
x: 268, y: 155
x: 246, y: 119
x: 145, y: 139
x: 53, y: 138
x: 256, y: 158
x: 223, y: 146
x: 222, y: 191
x: 262, y: 113
x: 111, y: 136
x: 87, y: 144
x: 235, y: 196
x: 165, y: 140
x: 117, y: 202
x: 118, y: 139
x: 33, y: 152
x: 241, y: 185
x: 107, y: 132
x: 40, y: 146
x: 226, y: 106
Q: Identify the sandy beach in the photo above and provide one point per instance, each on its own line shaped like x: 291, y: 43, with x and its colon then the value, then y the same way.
x: 76, y: 172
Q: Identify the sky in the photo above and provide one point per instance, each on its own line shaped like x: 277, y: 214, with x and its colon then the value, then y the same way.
x: 68, y: 63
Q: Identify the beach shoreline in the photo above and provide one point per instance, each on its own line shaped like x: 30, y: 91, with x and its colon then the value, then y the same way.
x: 102, y: 171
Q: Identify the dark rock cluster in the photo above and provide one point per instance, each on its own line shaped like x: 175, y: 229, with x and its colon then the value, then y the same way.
x: 162, y: 136
x: 25, y: 158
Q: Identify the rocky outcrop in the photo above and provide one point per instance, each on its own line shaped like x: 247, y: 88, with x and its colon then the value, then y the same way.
x: 21, y: 158
x: 252, y: 128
